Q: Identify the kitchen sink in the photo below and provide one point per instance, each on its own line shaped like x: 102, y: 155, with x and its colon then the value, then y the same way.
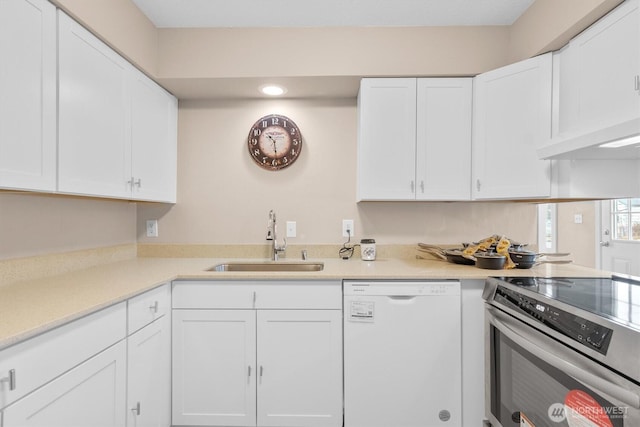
x: 268, y: 266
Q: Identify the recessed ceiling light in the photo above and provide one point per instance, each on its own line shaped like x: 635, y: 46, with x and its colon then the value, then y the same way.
x: 273, y: 90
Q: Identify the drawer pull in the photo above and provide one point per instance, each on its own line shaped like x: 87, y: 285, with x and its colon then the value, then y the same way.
x: 11, y: 379
x: 136, y: 410
x: 154, y: 307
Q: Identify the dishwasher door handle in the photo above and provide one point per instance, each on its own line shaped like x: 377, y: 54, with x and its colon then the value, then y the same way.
x: 401, y: 298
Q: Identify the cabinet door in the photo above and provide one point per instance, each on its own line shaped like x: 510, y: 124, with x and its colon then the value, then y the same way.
x: 28, y: 95
x: 599, y: 72
x: 154, y: 141
x: 299, y: 368
x: 443, y: 153
x: 512, y: 119
x: 387, y: 139
x: 92, y: 394
x: 149, y: 376
x: 214, y: 367
x: 94, y: 152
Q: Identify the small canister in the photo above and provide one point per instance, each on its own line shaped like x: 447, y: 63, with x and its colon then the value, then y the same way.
x: 368, y: 249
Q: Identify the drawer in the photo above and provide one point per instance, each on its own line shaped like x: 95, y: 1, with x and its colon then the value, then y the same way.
x: 294, y: 294
x: 39, y: 360
x: 147, y: 307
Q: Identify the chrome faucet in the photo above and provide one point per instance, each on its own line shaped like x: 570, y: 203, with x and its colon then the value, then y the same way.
x: 271, y: 235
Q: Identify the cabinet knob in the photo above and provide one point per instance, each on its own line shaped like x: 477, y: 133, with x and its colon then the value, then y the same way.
x: 604, y: 243
x: 413, y: 187
x: 11, y: 379
x: 422, y: 186
x: 478, y: 184
x: 136, y: 409
x: 637, y: 83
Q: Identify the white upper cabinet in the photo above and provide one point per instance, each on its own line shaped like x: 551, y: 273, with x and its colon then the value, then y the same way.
x: 154, y: 136
x: 597, y: 89
x: 93, y: 115
x: 387, y: 139
x: 600, y: 71
x: 414, y: 139
x: 512, y: 118
x: 443, y: 150
x: 117, y: 129
x: 28, y: 95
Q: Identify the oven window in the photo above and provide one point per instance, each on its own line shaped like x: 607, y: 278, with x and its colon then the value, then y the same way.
x: 526, y: 391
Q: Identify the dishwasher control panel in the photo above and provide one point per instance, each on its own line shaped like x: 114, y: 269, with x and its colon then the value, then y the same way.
x: 402, y: 288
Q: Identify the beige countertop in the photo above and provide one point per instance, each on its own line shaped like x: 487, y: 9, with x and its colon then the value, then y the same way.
x: 30, y: 307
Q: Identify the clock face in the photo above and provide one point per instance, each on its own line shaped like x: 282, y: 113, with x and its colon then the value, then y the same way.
x: 274, y: 142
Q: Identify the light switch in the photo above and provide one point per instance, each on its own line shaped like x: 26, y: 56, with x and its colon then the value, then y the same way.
x: 577, y: 219
x: 291, y: 229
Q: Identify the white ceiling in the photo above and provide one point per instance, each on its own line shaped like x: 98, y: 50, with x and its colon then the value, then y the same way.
x: 330, y: 13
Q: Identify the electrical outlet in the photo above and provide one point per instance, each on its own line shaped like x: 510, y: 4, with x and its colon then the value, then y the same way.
x: 348, y: 228
x: 291, y: 229
x: 152, y: 228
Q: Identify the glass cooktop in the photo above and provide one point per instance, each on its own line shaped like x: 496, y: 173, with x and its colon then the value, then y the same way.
x: 616, y: 298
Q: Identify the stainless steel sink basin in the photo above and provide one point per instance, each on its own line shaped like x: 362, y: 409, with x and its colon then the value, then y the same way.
x: 268, y: 266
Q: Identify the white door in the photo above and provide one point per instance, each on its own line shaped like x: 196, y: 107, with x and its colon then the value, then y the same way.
x: 214, y: 367
x: 92, y: 394
x: 28, y: 95
x: 149, y: 376
x: 511, y: 120
x: 94, y: 151
x: 443, y: 147
x: 387, y: 139
x: 619, y: 233
x: 153, y: 141
x: 299, y: 368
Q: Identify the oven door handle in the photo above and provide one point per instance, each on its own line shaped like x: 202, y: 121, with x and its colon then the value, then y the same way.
x: 623, y: 395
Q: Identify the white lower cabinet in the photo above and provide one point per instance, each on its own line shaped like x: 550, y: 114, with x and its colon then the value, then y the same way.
x: 148, y: 376
x: 214, y: 367
x: 91, y: 394
x: 245, y: 365
x: 89, y: 373
x: 299, y: 368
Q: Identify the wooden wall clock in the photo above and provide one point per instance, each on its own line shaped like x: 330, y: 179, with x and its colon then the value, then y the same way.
x: 275, y: 142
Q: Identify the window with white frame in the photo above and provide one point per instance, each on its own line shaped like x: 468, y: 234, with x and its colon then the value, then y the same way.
x: 547, y: 227
x: 625, y: 219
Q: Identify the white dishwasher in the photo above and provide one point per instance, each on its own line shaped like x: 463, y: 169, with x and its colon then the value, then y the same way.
x: 402, y: 354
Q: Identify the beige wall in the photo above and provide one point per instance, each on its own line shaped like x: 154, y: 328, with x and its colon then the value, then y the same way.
x: 122, y: 25
x: 223, y: 197
x: 549, y: 24
x: 578, y: 239
x: 36, y: 224
x: 232, y: 53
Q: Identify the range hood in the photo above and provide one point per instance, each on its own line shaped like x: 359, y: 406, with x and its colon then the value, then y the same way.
x: 618, y: 141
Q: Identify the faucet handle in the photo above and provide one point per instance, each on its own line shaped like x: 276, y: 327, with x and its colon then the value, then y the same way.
x: 283, y: 247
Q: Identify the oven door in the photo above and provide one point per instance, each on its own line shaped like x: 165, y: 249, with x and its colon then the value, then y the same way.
x: 534, y: 380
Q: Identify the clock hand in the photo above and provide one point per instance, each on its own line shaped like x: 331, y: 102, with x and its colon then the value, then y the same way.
x: 275, y: 149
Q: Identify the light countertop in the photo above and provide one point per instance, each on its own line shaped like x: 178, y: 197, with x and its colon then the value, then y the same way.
x: 31, y: 307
